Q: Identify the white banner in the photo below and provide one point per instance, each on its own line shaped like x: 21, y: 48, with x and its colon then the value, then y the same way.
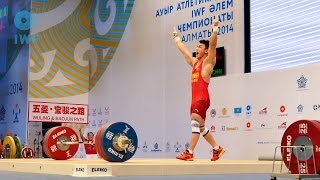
x: 58, y: 112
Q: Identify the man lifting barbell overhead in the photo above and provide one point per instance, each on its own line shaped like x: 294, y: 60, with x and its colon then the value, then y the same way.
x: 202, y: 67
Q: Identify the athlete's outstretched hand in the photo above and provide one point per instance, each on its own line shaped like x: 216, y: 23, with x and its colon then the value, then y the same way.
x: 175, y: 33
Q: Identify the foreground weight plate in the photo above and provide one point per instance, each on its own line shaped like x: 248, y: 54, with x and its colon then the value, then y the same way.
x: 301, y: 133
x: 98, y: 141
x: 17, y: 142
x: 119, y: 142
x: 62, y: 151
x: 9, y: 148
x: 46, y: 141
x: 27, y: 153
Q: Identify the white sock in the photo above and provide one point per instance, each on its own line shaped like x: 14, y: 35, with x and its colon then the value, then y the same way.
x: 191, y: 152
x: 216, y: 148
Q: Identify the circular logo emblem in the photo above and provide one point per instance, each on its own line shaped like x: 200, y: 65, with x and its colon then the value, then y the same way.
x: 224, y: 111
x: 248, y: 124
x: 213, y: 113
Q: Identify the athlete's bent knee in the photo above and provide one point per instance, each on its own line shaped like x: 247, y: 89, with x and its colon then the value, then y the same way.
x: 204, y: 131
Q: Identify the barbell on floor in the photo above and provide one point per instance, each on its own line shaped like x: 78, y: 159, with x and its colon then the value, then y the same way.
x: 115, y: 142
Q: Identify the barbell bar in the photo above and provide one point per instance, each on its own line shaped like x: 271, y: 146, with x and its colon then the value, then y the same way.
x: 122, y: 141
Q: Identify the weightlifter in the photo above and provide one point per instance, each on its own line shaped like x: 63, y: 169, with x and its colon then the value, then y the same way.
x: 89, y: 144
x: 202, y: 67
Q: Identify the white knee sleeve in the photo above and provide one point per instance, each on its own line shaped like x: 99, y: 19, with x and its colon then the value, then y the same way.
x: 204, y: 131
x: 195, y: 127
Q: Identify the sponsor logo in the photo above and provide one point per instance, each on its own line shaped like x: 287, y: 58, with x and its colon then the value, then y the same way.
x: 156, y: 148
x: 99, y: 170
x: 79, y: 169
x: 263, y: 126
x: 213, y: 113
x: 267, y: 142
x: 106, y: 111
x: 23, y: 20
x: 300, y: 108
x: 100, y: 123
x: 223, y: 128
x: 302, y: 83
x: 168, y: 149
x: 248, y: 126
x: 263, y: 111
x: 232, y: 128
x: 283, y: 125
x: 145, y: 147
x: 187, y: 145
x: 94, y: 112
x: 100, y: 111
x: 282, y: 111
x: 213, y: 128
x: 248, y: 112
x: 177, y: 147
x: 237, y: 111
x: 224, y: 113
x: 94, y: 124
x: 316, y: 107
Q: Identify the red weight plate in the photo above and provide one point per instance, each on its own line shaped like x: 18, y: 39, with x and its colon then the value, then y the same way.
x: 317, y: 121
x: 98, y: 141
x: 62, y: 151
x: 301, y: 133
x: 27, y: 153
x: 46, y: 141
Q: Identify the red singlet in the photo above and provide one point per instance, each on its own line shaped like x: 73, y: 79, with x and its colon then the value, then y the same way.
x: 90, y: 149
x: 200, y: 94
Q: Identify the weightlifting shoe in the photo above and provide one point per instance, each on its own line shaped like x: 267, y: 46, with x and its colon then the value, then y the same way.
x: 216, y: 154
x: 185, y: 155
